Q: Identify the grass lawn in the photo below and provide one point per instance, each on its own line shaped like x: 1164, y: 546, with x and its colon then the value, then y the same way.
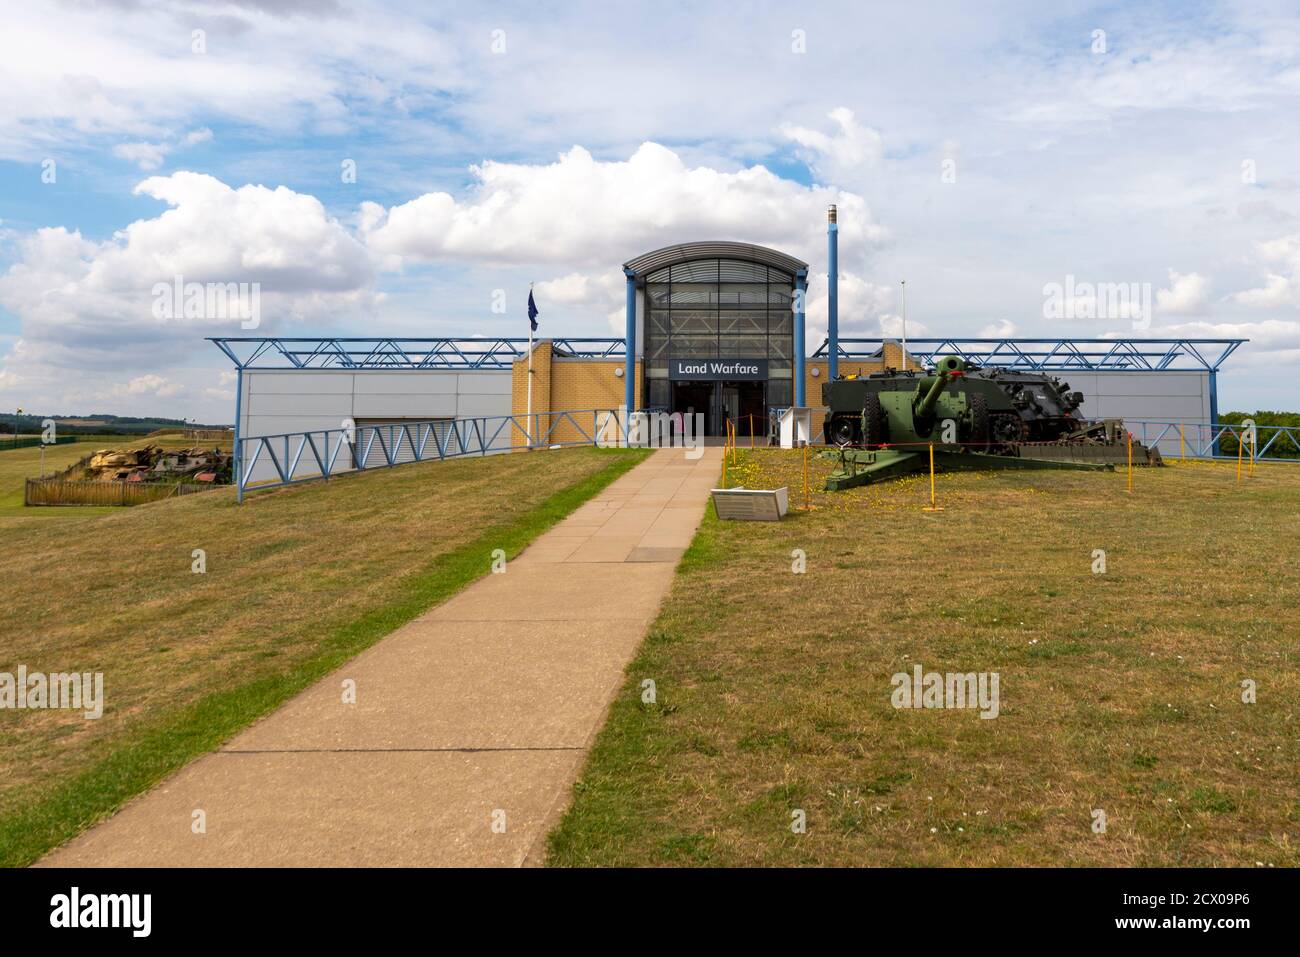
x: 1119, y: 692
x: 297, y: 582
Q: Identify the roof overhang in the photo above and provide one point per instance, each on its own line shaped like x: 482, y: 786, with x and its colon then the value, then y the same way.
x: 647, y: 263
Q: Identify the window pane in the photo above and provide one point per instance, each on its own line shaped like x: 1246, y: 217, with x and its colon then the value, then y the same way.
x: 780, y: 393
x: 733, y: 270
x: 695, y: 347
x: 743, y: 323
x: 748, y: 347
x: 702, y: 270
x: 695, y: 321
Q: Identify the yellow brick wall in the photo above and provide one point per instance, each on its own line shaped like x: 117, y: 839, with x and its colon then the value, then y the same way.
x: 541, y: 391
x: 561, y: 385
x: 566, y: 385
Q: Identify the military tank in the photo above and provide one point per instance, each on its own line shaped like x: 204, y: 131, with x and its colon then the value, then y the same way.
x: 973, y: 417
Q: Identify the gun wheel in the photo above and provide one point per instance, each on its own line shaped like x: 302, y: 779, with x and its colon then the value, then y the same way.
x: 873, y: 421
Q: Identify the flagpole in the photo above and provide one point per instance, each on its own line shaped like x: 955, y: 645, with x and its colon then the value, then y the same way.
x: 530, y: 373
x: 904, y: 284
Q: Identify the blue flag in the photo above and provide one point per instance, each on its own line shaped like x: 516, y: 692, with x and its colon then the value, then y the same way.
x: 532, y: 311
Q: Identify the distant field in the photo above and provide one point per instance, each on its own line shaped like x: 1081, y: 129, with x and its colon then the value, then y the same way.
x: 297, y: 582
x: 19, y: 464
x: 1119, y: 692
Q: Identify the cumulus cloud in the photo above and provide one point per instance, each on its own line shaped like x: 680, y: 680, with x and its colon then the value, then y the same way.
x: 1188, y: 294
x: 149, y: 385
x: 1282, y: 284
x: 147, y: 156
x: 839, y: 156
x: 150, y: 156
x: 580, y: 210
x: 1002, y: 329
x: 863, y: 308
x: 89, y: 305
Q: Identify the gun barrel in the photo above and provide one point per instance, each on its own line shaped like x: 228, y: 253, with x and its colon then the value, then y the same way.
x: 944, y: 369
x: 925, y: 407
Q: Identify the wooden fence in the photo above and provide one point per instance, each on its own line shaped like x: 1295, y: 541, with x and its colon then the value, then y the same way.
x: 57, y: 491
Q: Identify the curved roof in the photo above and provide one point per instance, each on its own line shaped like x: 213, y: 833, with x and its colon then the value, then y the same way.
x: 712, y: 249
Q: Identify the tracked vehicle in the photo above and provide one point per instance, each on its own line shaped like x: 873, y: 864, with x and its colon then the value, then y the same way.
x: 883, y: 424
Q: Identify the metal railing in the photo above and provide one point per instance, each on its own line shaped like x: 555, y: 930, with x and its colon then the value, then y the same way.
x: 273, y: 461
x: 1203, y: 440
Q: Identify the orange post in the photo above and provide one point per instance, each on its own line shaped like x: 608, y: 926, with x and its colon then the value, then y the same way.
x: 751, y: 430
x: 931, y: 507
x: 1130, y: 461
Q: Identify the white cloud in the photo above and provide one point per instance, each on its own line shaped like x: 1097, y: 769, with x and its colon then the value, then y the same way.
x: 1188, y: 294
x: 149, y: 385
x: 578, y: 210
x: 863, y: 309
x: 1279, y: 290
x: 840, y: 156
x: 1002, y: 329
x: 150, y: 156
x: 147, y: 156
x: 86, y: 306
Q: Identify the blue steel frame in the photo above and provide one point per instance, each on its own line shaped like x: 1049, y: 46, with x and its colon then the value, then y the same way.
x: 293, y: 454
x: 396, y: 354
x: 629, y: 346
x: 833, y: 298
x: 1060, y: 355
x: 1066, y: 355
x: 800, y: 347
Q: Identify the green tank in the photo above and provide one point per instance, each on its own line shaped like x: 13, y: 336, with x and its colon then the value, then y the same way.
x: 973, y: 417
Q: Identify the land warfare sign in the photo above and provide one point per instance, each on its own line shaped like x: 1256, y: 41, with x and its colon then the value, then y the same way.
x: 736, y: 370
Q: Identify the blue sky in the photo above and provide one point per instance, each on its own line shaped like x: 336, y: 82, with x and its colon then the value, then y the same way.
x: 981, y: 152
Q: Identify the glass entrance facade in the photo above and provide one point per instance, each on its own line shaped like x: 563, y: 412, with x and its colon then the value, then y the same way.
x: 719, y: 309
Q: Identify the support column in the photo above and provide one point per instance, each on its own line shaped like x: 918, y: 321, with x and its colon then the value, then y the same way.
x: 800, y: 293
x: 1214, y: 408
x: 235, y: 464
x: 832, y: 294
x: 629, y: 346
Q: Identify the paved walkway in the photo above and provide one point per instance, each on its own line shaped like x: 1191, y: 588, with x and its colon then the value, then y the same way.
x: 486, y: 704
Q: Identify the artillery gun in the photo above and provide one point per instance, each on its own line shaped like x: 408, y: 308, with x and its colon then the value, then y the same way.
x: 884, y: 424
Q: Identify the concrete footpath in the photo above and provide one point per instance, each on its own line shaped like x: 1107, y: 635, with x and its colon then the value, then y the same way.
x: 477, y: 715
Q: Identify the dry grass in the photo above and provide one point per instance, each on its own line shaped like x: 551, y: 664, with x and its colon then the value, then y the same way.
x: 287, y: 575
x: 1120, y: 691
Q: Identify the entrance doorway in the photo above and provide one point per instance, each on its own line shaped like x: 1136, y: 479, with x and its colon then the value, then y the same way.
x: 692, y: 397
x: 723, y: 401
